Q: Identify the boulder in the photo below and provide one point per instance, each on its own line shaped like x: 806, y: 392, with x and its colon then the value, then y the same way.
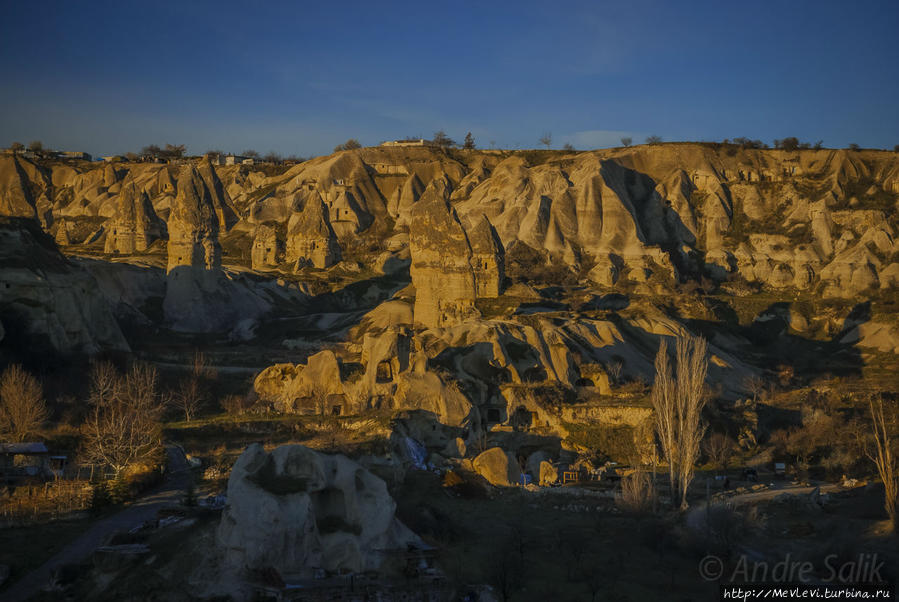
x: 296, y: 510
x: 547, y: 474
x: 455, y: 448
x: 498, y: 466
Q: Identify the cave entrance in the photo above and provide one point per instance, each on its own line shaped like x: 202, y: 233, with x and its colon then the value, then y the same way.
x: 384, y: 372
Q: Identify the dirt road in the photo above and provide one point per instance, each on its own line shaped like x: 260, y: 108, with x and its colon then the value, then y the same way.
x: 144, y: 509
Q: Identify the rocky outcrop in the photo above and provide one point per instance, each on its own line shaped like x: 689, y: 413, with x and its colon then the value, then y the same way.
x: 296, y: 511
x: 488, y: 258
x: 268, y: 249
x: 218, y: 195
x: 200, y: 296
x: 310, y: 238
x: 193, y: 225
x: 135, y: 224
x: 313, y: 388
x: 445, y: 286
x: 16, y: 198
x: 46, y: 299
x: 639, y: 217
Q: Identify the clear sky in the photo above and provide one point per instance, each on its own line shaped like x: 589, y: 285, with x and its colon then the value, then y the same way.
x: 300, y: 77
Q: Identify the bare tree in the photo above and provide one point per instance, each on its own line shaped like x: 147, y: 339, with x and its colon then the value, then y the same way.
x: 546, y: 139
x: 653, y: 139
x: 122, y: 427
x: 193, y: 391
x: 719, y: 449
x: 678, y: 398
x: 568, y: 147
x: 614, y: 370
x: 174, y: 151
x: 882, y: 454
x: 469, y: 141
x: 16, y: 147
x: 637, y: 493
x: 22, y: 406
x: 626, y: 141
x: 36, y: 146
x: 756, y: 386
x: 152, y: 150
x: 441, y: 139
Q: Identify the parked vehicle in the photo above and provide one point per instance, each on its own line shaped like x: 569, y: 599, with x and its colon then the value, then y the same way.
x: 780, y: 470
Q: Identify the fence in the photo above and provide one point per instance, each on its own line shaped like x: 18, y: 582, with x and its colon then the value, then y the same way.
x: 45, y: 501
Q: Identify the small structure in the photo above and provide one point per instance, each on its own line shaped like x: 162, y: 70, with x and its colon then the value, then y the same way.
x: 19, y: 460
x: 81, y: 155
x: 408, y: 142
x: 238, y: 160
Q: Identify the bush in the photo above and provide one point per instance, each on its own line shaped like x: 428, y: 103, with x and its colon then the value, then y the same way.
x: 236, y: 405
x: 100, y: 497
x: 637, y: 495
x: 350, y: 144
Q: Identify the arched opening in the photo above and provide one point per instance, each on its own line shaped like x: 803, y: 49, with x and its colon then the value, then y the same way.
x: 522, y: 419
x: 384, y: 372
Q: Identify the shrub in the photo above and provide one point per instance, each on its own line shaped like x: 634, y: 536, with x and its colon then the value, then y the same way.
x: 236, y: 405
x: 637, y: 495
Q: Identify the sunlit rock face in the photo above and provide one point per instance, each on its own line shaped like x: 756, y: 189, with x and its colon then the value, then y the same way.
x: 310, y: 238
x: 193, y: 225
x: 135, y: 225
x: 488, y: 258
x: 445, y: 287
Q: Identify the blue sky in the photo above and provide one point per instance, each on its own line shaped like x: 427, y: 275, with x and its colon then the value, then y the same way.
x: 298, y: 78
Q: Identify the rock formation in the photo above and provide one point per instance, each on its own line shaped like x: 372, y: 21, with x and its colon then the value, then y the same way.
x: 310, y: 238
x: 193, y: 225
x: 218, y: 195
x: 268, y: 249
x: 295, y: 510
x: 15, y: 193
x: 135, y: 224
x: 48, y: 299
x: 498, y: 466
x: 445, y: 287
x: 487, y: 258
